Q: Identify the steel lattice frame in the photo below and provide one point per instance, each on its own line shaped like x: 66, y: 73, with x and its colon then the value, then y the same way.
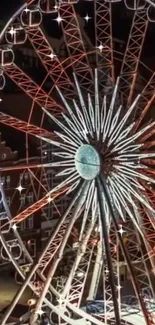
x: 112, y: 223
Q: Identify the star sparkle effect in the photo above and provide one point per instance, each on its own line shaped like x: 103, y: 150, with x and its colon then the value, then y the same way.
x: 58, y: 19
x: 100, y: 47
x: 96, y: 139
x: 87, y: 18
x: 12, y: 31
x: 20, y: 188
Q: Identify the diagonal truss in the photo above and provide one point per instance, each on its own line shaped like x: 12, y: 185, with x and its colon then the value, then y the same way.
x: 75, y: 45
x: 75, y: 292
x: 103, y: 37
x: 34, y: 91
x: 139, y: 264
x: 114, y: 244
x: 54, y: 244
x: 132, y: 55
x: 146, y: 99
x: 74, y: 286
x: 50, y: 61
x: 24, y: 126
x: 36, y: 206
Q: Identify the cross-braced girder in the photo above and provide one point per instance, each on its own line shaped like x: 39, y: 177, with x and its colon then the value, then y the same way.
x: 132, y: 54
x: 33, y: 90
x: 75, y: 45
x: 51, y: 62
x: 103, y: 37
x: 23, y: 126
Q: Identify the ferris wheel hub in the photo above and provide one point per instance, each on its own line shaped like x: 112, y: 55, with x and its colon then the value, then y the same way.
x: 87, y: 162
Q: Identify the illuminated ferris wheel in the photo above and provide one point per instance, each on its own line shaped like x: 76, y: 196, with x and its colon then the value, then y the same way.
x: 103, y: 159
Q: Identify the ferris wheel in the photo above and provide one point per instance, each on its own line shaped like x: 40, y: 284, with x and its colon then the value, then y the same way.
x: 103, y: 149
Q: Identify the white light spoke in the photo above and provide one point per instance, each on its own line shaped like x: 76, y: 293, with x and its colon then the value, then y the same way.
x: 116, y: 137
x: 97, y: 112
x: 110, y: 111
x: 91, y: 112
x: 131, y: 148
x: 66, y: 182
x: 82, y: 120
x: 73, y: 187
x: 133, y: 156
x: 118, y: 205
x: 131, y: 164
x: 58, y: 144
x: 133, y: 173
x: 87, y: 208
x: 66, y: 139
x: 114, y: 123
x: 125, y: 118
x: 64, y: 100
x: 63, y: 155
x: 103, y: 113
x: 132, y: 180
x: 66, y: 171
x: 107, y: 215
x: 126, y: 183
x: 127, y: 197
x: 83, y: 106
x: 77, y: 129
x: 63, y: 127
x: 81, y: 250
x: 95, y: 208
x: 116, y: 199
x: 125, y: 142
x: 134, y: 193
x: 123, y: 134
x: 118, y: 194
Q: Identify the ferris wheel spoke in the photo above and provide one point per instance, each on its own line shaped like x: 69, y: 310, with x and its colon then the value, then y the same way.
x: 110, y: 265
x: 132, y: 54
x: 37, y: 206
x: 127, y: 258
x: 134, y: 244
x: 147, y: 225
x: 97, y: 269
x: 24, y: 126
x: 50, y: 61
x: 103, y: 37
x: 76, y: 212
x: 89, y: 200
x: 26, y: 283
x: 38, y: 266
x: 125, y: 199
x: 78, y: 280
x: 56, y: 238
x: 146, y: 99
x: 84, y: 247
x: 33, y: 90
x: 75, y: 46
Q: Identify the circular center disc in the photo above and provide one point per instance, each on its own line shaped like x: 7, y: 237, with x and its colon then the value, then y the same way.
x: 87, y: 162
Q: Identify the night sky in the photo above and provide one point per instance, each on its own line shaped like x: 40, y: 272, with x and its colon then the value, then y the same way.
x: 8, y: 7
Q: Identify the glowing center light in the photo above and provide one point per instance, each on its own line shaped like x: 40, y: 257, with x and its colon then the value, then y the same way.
x: 87, y: 162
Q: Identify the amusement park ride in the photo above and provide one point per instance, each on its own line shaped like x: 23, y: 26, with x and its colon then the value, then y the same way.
x: 105, y: 159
